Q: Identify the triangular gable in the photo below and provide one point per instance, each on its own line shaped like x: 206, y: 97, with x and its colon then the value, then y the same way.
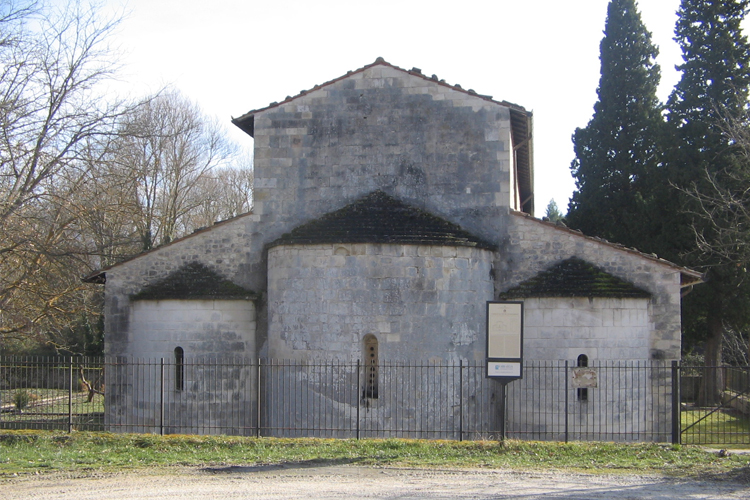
x: 244, y: 121
x: 688, y: 277
x: 194, y: 281
x: 575, y: 277
x: 520, y: 118
x: 380, y: 218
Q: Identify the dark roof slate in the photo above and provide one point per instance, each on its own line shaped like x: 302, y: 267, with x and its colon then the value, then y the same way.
x: 575, y: 278
x: 194, y: 281
x: 380, y: 218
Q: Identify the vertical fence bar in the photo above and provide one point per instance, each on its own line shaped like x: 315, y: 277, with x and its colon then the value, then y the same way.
x: 161, y: 398
x: 567, y: 402
x: 676, y: 413
x: 70, y: 394
x: 461, y: 400
x: 257, y: 403
x: 356, y: 394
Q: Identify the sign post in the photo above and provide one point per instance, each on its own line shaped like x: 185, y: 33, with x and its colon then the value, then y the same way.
x: 504, y: 347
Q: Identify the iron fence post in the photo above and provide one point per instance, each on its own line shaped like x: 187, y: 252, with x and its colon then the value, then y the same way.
x: 460, y: 400
x: 502, y: 411
x: 566, y: 400
x: 257, y: 422
x: 161, y: 398
x: 70, y: 394
x: 356, y: 393
x: 676, y: 413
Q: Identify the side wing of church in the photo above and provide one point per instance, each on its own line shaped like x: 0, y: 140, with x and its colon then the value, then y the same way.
x: 389, y: 207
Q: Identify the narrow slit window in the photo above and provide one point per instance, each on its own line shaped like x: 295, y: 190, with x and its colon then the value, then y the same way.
x: 179, y: 368
x: 583, y: 393
x: 371, y: 366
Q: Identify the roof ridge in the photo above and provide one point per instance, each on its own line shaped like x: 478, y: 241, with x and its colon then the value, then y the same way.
x: 379, y: 61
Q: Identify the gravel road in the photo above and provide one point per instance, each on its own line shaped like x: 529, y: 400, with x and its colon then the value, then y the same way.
x: 337, y: 482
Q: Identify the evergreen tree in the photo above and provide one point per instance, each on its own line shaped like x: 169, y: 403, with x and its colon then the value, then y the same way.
x: 618, y: 151
x: 553, y: 213
x: 713, y: 90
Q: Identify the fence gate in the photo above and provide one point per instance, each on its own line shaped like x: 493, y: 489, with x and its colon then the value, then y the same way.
x: 715, y: 405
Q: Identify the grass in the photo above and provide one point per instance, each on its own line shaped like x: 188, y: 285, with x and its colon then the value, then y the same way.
x: 29, y: 452
x: 730, y: 428
x: 48, y: 409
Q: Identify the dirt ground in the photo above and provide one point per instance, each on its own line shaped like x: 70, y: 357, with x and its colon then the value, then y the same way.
x: 337, y: 482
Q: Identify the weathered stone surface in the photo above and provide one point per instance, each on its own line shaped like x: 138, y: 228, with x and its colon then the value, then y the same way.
x: 417, y: 306
x: 414, y: 267
x: 532, y: 246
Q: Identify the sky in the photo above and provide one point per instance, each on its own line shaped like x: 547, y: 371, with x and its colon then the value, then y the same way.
x: 233, y: 56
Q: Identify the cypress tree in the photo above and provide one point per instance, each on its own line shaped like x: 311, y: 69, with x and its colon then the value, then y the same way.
x: 618, y: 152
x: 553, y: 213
x: 712, y: 91
x: 715, y: 77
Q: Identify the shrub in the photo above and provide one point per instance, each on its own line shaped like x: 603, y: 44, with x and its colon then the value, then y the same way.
x: 21, y: 399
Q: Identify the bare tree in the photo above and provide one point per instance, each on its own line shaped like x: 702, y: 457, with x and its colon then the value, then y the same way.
x: 222, y: 194
x: 86, y: 181
x: 51, y: 64
x: 166, y: 149
x: 721, y: 208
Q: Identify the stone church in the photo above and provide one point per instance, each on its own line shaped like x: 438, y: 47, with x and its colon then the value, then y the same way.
x: 389, y: 207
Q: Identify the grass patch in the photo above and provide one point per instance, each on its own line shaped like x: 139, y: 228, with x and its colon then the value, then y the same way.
x: 23, y: 452
x: 729, y: 428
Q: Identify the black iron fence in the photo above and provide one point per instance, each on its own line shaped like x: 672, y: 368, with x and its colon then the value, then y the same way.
x: 51, y: 393
x: 607, y: 401
x: 715, y: 405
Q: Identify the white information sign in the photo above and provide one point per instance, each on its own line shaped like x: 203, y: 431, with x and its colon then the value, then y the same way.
x: 504, y: 330
x: 503, y: 369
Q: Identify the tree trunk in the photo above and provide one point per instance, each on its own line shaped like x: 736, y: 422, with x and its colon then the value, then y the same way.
x: 712, y: 382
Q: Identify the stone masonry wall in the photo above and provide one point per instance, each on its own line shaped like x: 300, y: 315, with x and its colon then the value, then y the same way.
x: 421, y: 302
x: 214, y: 328
x: 533, y: 246
x: 214, y: 379
x: 559, y: 328
x: 425, y: 143
x: 225, y: 249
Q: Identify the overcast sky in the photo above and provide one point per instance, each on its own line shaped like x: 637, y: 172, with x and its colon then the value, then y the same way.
x: 232, y: 56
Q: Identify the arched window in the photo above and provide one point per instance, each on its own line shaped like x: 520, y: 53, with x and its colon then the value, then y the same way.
x: 179, y: 368
x: 371, y: 366
x: 583, y: 393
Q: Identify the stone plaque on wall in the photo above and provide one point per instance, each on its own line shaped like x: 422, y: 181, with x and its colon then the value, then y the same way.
x: 584, y: 378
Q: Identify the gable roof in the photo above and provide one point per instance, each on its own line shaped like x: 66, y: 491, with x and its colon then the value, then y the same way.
x: 520, y: 121
x: 194, y: 281
x: 99, y: 277
x: 575, y: 277
x: 380, y: 218
x: 688, y: 277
